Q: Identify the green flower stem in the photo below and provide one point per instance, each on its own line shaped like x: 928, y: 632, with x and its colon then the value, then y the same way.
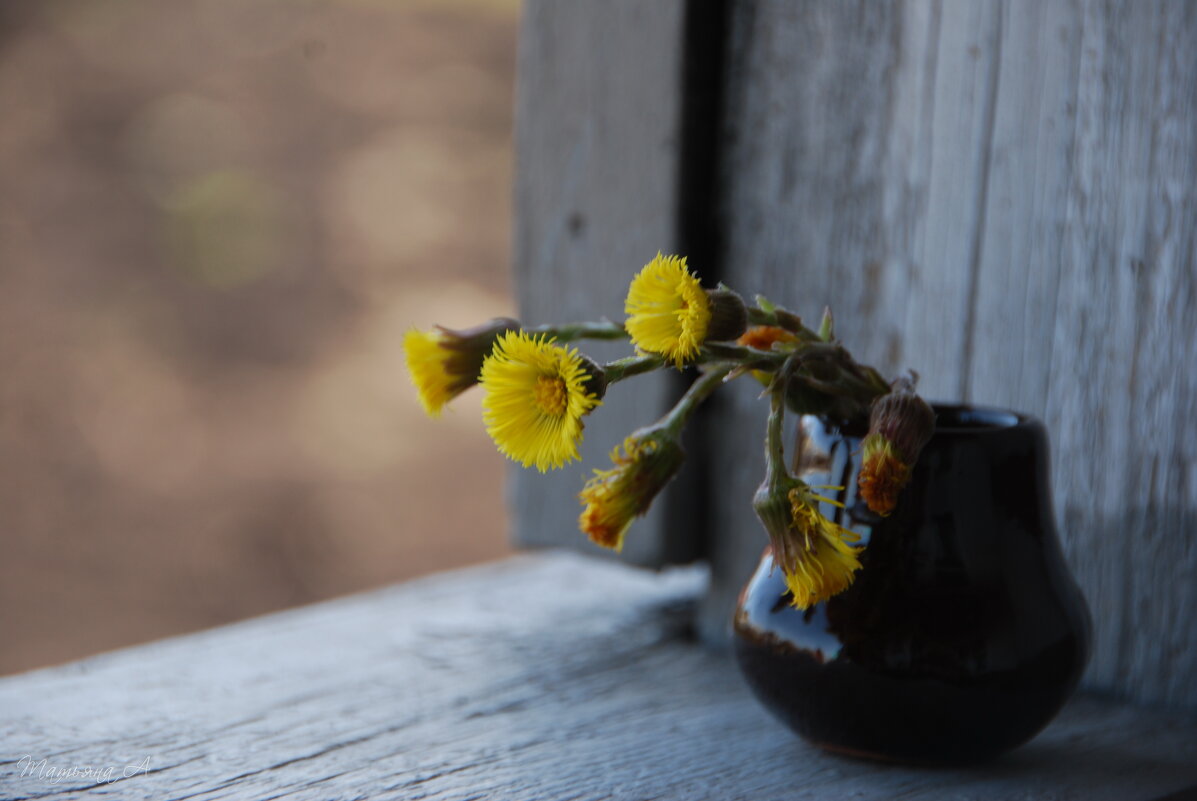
x: 824, y: 350
x: 631, y: 366
x: 775, y: 459
x: 776, y: 315
x: 771, y: 359
x: 744, y: 356
x: 850, y: 379
x: 573, y: 331
x: 699, y: 391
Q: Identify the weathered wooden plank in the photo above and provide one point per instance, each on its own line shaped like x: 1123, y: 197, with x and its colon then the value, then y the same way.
x: 1000, y: 195
x: 856, y: 134
x: 1023, y: 211
x: 549, y: 676
x: 599, y: 101
x: 1122, y: 389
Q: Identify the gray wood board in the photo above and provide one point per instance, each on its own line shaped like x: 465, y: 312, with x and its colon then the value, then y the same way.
x: 599, y: 98
x: 551, y: 676
x: 1002, y: 196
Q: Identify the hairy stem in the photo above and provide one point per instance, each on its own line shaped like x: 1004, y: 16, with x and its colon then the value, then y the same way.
x: 604, y: 329
x: 775, y: 458
x: 631, y: 366
x: 699, y: 391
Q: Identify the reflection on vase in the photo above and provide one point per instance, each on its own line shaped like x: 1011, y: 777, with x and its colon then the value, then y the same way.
x: 963, y: 634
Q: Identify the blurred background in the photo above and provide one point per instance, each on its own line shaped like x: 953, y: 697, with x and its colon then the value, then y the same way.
x: 217, y: 219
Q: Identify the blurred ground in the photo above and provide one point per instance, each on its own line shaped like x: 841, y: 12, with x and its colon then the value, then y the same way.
x: 217, y: 219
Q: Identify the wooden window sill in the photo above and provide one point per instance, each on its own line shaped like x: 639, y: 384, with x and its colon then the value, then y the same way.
x: 548, y: 676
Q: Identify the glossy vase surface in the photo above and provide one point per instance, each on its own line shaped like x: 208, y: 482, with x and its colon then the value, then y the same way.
x: 964, y: 632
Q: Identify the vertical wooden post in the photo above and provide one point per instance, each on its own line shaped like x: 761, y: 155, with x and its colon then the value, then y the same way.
x: 598, y: 149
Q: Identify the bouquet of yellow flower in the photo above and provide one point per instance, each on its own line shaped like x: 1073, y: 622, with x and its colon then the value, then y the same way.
x: 538, y: 391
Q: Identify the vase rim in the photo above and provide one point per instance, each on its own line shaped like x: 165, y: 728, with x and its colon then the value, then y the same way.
x: 974, y: 418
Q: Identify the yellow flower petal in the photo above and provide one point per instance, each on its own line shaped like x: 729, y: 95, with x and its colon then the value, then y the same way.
x: 818, y: 563
x: 444, y: 363
x: 812, y: 551
x: 668, y: 311
x: 429, y: 366
x: 536, y: 396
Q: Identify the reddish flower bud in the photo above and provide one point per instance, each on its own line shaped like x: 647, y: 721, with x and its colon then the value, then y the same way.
x: 900, y: 424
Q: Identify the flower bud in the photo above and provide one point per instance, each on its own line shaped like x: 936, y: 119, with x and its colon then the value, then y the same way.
x: 900, y: 424
x: 729, y: 315
x: 764, y: 337
x: 772, y: 506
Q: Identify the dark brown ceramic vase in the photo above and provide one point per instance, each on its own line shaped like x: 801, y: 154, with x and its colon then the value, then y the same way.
x: 964, y: 632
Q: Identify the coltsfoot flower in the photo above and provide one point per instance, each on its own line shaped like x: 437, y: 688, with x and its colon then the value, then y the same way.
x: 900, y: 424
x: 444, y: 363
x: 813, y: 552
x: 613, y: 498
x: 668, y: 311
x: 537, y: 393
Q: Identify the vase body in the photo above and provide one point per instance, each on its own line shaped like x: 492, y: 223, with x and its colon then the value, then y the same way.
x: 963, y: 633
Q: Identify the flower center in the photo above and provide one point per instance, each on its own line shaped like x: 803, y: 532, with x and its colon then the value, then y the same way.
x: 551, y: 395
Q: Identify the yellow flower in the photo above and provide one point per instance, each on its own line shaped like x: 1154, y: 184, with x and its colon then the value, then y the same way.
x: 813, y: 552
x: 613, y: 498
x: 426, y: 365
x: 536, y: 395
x: 444, y: 363
x: 668, y: 311
x: 824, y: 564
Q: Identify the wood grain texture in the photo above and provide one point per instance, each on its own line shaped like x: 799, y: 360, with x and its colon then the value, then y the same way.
x: 1001, y: 195
x: 1122, y: 392
x: 598, y: 147
x: 544, y: 677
